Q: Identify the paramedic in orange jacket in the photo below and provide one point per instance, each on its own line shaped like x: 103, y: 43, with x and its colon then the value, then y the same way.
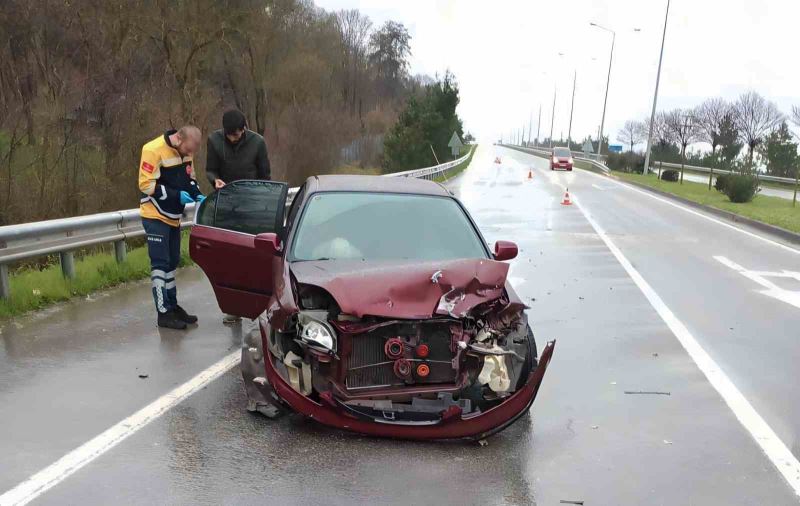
x: 167, y: 183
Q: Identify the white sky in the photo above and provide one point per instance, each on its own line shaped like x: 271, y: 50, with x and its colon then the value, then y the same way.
x: 504, y: 54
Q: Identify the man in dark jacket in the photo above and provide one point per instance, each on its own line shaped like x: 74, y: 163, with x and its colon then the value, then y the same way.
x: 235, y: 153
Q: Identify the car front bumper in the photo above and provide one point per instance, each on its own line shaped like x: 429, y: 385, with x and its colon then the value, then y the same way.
x: 452, y: 424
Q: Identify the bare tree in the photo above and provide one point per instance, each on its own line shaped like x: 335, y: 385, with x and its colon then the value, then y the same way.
x: 755, y: 118
x: 683, y: 125
x: 632, y: 133
x: 354, y: 30
x: 711, y: 116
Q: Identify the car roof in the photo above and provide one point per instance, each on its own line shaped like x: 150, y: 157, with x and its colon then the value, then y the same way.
x: 357, y: 183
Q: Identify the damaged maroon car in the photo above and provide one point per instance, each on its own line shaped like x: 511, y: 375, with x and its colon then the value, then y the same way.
x: 380, y: 308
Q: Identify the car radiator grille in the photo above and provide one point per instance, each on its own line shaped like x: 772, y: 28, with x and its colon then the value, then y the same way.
x: 368, y: 366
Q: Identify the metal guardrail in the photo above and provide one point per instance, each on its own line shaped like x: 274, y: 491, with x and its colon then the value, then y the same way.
x: 63, y: 236
x: 697, y: 168
x: 577, y: 155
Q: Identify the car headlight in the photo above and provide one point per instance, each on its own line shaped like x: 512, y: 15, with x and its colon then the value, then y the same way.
x: 570, y: 161
x: 315, y: 332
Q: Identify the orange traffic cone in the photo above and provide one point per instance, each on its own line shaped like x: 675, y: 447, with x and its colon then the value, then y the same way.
x: 566, y: 201
x: 530, y: 174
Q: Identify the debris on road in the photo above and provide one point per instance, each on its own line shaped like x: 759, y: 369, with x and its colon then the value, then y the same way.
x: 144, y: 376
x: 667, y: 442
x: 595, y: 427
x: 564, y: 501
x: 645, y: 392
x: 483, y: 442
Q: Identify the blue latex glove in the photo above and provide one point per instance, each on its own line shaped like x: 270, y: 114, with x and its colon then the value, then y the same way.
x: 186, y: 198
x: 200, y: 197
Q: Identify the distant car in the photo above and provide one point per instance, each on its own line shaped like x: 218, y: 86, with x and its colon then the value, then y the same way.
x: 380, y: 307
x: 561, y: 159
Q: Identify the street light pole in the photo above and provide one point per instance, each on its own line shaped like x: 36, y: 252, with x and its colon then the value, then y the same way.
x: 539, y: 125
x: 553, y: 117
x: 608, y: 83
x: 572, y: 109
x: 655, y: 97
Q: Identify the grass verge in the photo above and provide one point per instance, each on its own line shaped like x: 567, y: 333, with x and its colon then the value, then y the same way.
x: 33, y: 289
x: 773, y: 210
x: 460, y: 167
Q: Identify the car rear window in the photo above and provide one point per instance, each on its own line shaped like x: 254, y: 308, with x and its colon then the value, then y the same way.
x: 561, y: 152
x: 384, y: 226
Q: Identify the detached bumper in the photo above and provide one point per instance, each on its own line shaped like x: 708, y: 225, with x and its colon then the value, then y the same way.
x: 452, y: 425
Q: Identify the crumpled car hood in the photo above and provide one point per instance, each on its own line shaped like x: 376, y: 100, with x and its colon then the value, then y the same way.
x: 410, y: 290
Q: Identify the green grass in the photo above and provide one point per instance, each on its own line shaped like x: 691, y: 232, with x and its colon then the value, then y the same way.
x: 773, y: 210
x: 460, y: 167
x: 33, y: 289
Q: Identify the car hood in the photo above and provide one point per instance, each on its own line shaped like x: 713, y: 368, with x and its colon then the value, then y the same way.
x: 403, y: 289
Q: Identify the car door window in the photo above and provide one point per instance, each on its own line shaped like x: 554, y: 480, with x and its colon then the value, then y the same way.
x: 249, y: 207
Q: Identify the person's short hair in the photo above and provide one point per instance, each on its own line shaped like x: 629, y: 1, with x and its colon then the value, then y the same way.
x: 187, y: 131
x: 233, y: 120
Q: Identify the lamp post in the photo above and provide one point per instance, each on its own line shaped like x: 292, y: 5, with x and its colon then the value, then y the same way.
x: 655, y: 97
x: 572, y: 109
x: 608, y: 82
x: 553, y: 117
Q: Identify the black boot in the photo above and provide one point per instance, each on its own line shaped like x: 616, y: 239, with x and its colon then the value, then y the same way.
x: 183, y: 315
x: 171, y: 320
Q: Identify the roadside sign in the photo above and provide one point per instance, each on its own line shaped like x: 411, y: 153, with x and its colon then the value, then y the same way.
x: 587, y: 147
x: 615, y: 148
x: 455, y: 144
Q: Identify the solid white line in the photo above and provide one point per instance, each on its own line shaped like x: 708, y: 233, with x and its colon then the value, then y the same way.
x: 57, y: 472
x: 762, y: 433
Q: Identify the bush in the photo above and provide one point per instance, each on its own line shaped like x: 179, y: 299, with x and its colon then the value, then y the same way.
x: 722, y: 182
x: 670, y: 175
x: 625, y: 162
x: 741, y: 188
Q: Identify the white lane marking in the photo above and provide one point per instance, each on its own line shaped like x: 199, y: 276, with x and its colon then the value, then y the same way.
x: 762, y: 433
x: 791, y: 297
x: 597, y: 186
x: 696, y: 213
x: 70, y: 463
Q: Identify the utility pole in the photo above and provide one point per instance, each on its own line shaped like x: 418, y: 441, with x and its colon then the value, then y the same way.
x: 572, y: 109
x: 608, y: 83
x: 655, y: 96
x: 530, y: 127
x: 553, y: 117
x: 539, y: 124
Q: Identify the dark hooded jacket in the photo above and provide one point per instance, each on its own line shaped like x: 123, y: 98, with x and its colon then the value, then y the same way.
x: 247, y: 159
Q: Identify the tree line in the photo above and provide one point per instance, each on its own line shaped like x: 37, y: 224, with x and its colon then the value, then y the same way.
x: 745, y: 134
x: 85, y: 84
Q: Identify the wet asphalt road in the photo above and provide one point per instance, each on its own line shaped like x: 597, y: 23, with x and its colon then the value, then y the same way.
x: 68, y: 374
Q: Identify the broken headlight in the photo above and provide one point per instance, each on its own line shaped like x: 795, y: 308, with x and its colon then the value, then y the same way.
x: 313, y: 330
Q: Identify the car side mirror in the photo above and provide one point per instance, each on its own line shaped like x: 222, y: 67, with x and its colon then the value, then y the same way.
x: 505, y: 250
x: 268, y: 243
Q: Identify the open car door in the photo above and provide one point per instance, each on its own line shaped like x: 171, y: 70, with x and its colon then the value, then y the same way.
x: 234, y: 240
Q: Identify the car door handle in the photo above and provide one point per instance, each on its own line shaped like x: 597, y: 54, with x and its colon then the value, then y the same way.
x: 203, y: 244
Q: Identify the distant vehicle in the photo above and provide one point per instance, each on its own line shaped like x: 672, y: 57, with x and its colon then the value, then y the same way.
x: 561, y: 159
x: 373, y: 317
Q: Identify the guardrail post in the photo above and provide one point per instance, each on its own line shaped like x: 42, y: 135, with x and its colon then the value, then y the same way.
x: 5, y: 286
x: 67, y: 264
x: 120, y: 251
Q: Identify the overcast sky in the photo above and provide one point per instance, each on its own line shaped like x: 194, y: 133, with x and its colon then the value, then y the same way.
x: 505, y: 54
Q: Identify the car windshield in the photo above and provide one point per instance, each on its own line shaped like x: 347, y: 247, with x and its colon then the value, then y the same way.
x: 561, y: 152
x: 384, y: 226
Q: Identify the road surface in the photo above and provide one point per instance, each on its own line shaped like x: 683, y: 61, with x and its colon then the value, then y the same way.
x: 625, y: 281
